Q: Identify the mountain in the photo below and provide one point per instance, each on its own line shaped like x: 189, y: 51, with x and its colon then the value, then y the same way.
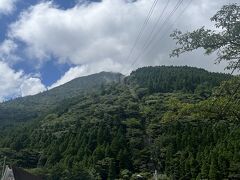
x: 23, y: 109
x: 175, y: 78
x: 155, y: 79
x: 130, y: 129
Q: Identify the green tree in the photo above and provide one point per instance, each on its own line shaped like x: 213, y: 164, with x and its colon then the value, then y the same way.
x: 226, y: 41
x: 213, y: 171
x: 204, y: 170
x: 112, y: 170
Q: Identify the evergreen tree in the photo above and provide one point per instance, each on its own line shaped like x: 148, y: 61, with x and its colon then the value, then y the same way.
x: 112, y: 170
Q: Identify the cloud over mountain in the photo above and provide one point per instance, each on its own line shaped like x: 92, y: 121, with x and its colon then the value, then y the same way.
x: 98, y: 36
x: 17, y: 83
x: 92, y: 33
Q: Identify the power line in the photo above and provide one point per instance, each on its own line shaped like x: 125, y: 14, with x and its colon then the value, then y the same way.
x: 168, y: 17
x: 140, y: 33
x: 220, y: 90
x: 147, y: 44
x: 169, y: 27
x: 157, y: 22
x: 181, y: 13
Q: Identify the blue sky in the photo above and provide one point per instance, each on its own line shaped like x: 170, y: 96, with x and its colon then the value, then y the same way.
x: 50, y: 71
x: 44, y: 43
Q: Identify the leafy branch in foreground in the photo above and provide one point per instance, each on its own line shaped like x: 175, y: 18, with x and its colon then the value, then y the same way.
x: 225, y: 41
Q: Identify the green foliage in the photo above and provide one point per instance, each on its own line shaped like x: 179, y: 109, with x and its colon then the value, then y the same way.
x: 59, y: 98
x: 225, y: 41
x: 171, y: 79
x: 123, y: 131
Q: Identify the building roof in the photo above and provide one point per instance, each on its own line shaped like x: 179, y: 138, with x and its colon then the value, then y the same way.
x: 20, y: 174
x: 8, y: 174
x: 16, y: 173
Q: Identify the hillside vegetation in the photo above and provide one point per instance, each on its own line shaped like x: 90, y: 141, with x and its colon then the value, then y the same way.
x: 172, y: 78
x: 30, y: 107
x: 181, y: 121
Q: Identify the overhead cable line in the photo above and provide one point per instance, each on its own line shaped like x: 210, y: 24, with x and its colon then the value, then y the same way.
x: 170, y: 27
x: 153, y: 36
x: 140, y: 33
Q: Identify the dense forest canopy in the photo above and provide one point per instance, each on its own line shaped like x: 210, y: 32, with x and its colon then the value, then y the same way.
x: 30, y: 107
x: 128, y: 129
x: 171, y: 79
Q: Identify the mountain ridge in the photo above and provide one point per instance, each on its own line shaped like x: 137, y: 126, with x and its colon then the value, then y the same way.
x: 47, y: 100
x: 30, y: 107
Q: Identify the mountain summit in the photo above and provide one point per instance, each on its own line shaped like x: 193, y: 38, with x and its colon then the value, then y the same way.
x: 30, y: 107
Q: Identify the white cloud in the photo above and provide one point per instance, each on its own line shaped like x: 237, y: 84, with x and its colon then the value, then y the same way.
x: 16, y: 83
x: 71, y: 74
x: 80, y: 35
x: 31, y: 86
x: 7, y: 6
x: 78, y: 71
x: 7, y: 51
x: 92, y: 35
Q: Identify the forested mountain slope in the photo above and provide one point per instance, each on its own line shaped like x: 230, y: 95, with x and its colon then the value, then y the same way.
x: 27, y: 108
x: 154, y: 79
x: 174, y: 78
x: 127, y: 131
